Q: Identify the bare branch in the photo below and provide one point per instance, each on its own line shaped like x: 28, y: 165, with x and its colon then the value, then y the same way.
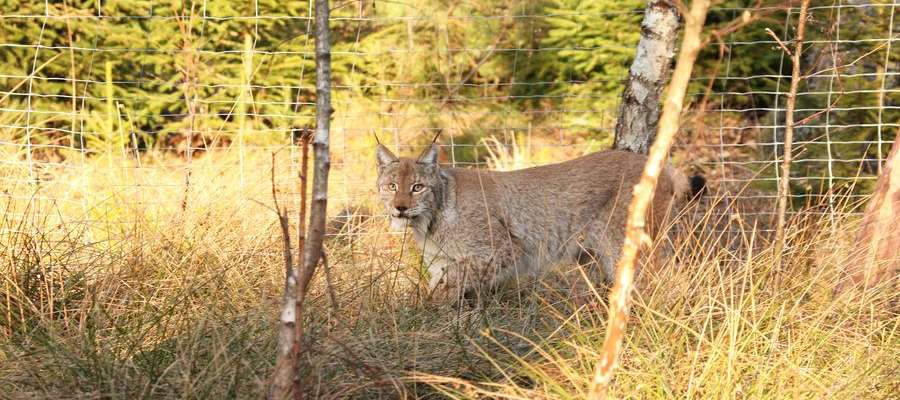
x: 780, y: 43
x: 329, y: 283
x: 635, y: 237
x: 315, y: 235
x: 853, y: 63
x: 718, y: 35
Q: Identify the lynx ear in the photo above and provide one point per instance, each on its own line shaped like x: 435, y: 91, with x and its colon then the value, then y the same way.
x: 384, y: 156
x: 430, y: 156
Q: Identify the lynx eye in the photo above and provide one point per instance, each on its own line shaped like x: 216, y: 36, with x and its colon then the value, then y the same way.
x: 418, y: 188
x: 392, y: 187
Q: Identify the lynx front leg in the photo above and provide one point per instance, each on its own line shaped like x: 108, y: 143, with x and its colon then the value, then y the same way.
x: 595, y: 267
x: 444, y: 283
x: 455, y: 281
x: 438, y: 273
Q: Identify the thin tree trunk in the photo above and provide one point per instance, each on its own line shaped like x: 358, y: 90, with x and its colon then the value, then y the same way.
x: 312, y: 249
x: 282, y: 376
x: 305, y: 137
x: 878, y: 257
x: 288, y: 378
x: 635, y: 237
x: 639, y: 110
x: 785, y: 183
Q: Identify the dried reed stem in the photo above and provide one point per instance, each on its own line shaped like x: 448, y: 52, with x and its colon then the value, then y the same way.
x: 635, y: 236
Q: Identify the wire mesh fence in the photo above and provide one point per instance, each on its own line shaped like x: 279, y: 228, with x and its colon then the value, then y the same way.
x: 160, y: 105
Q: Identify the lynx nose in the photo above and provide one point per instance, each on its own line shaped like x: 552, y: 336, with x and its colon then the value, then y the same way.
x: 401, y: 209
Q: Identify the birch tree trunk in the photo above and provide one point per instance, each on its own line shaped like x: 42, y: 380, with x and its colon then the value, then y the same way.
x: 640, y: 108
x: 878, y: 257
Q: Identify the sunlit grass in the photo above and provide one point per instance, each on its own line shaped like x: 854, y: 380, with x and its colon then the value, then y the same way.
x: 503, y: 157
x: 143, y: 282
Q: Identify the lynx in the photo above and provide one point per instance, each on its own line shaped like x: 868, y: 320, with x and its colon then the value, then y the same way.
x: 479, y: 228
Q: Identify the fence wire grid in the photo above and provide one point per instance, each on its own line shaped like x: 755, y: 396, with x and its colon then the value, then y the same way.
x: 142, y: 102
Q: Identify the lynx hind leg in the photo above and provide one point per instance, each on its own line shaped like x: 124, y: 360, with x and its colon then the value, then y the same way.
x: 598, y: 254
x: 604, y: 249
x: 585, y: 278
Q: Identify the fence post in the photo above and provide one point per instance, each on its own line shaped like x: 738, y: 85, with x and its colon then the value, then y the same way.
x: 639, y: 110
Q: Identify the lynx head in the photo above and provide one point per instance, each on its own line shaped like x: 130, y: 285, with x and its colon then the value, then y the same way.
x: 412, y: 189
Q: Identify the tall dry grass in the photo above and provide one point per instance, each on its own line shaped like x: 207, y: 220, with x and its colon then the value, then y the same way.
x: 111, y: 288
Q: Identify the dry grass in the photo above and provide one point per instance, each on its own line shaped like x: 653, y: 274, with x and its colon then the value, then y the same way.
x: 113, y: 290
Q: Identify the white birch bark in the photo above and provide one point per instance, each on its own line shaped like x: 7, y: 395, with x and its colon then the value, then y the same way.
x: 640, y: 108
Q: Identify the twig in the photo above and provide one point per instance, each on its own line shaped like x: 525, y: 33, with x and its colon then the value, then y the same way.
x: 305, y: 137
x: 852, y: 63
x: 780, y: 43
x: 283, y: 222
x: 12, y: 91
x: 329, y: 283
x: 806, y: 120
x: 701, y: 109
x: 718, y: 34
x: 282, y: 376
x: 784, y: 185
x: 737, y: 24
x: 840, y: 83
x: 635, y: 237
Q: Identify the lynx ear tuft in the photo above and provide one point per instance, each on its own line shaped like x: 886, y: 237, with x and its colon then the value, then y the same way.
x: 430, y: 156
x: 384, y: 156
